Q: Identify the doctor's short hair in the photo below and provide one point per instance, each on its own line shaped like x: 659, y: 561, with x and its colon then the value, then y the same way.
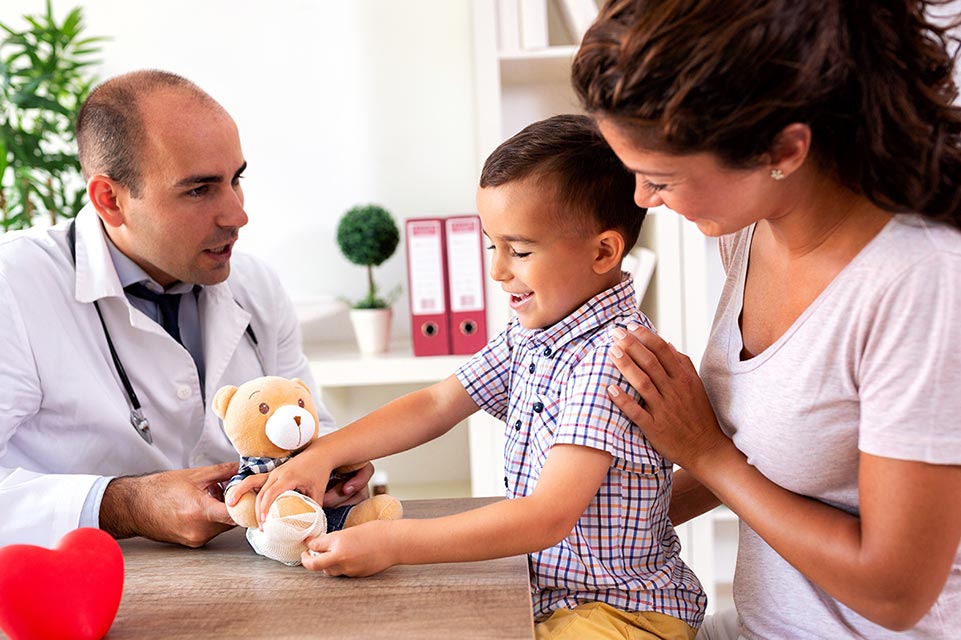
x: 110, y: 129
x: 586, y: 185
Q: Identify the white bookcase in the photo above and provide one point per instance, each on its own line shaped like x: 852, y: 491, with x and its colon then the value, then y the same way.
x: 464, y: 462
x: 517, y: 85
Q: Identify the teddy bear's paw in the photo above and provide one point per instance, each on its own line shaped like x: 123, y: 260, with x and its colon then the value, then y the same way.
x: 291, y: 503
x: 382, y: 507
x: 295, y: 511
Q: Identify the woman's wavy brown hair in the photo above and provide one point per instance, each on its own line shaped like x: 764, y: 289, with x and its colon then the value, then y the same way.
x: 872, y: 78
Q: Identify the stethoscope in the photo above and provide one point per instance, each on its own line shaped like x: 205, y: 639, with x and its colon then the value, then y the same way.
x: 137, y: 418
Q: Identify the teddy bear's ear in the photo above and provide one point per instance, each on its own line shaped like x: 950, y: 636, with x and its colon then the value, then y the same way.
x: 301, y: 383
x: 222, y: 399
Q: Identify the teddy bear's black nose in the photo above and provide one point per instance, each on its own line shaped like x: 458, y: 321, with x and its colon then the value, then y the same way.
x: 297, y: 420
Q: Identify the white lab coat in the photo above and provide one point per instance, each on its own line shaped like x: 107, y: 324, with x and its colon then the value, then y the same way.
x: 64, y: 415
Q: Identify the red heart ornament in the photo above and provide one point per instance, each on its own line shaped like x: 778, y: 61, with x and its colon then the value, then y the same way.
x: 70, y: 592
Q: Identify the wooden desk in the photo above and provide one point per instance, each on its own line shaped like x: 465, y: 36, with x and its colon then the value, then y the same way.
x: 226, y: 591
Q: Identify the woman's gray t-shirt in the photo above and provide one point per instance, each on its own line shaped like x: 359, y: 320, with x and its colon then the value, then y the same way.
x: 872, y: 365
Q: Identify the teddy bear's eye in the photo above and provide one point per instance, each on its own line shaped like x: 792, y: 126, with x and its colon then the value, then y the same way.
x: 300, y: 403
x: 264, y: 408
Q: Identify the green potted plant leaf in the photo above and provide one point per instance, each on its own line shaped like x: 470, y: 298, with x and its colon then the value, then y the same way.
x: 367, y: 235
x: 44, y: 78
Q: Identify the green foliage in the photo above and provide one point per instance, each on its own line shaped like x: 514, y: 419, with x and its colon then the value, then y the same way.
x: 367, y: 235
x: 44, y: 78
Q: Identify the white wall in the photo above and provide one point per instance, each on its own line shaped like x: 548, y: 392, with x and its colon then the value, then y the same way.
x: 338, y: 103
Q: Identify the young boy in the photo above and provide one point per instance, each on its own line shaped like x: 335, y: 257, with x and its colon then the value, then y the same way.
x: 588, y: 497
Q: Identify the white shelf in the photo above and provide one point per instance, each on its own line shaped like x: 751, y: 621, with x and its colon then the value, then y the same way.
x: 339, y: 364
x: 467, y: 461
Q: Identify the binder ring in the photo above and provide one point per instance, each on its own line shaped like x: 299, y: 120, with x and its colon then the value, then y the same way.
x: 468, y: 327
x: 429, y: 329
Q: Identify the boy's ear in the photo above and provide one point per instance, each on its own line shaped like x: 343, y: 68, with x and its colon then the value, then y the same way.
x: 105, y: 196
x: 610, y: 250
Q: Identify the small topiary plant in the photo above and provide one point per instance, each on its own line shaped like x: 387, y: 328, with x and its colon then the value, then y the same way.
x: 367, y: 235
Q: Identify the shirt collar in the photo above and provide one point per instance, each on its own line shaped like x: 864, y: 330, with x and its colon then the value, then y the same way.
x: 619, y: 299
x: 130, y: 272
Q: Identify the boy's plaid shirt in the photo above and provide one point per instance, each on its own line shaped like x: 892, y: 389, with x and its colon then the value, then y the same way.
x: 549, y: 386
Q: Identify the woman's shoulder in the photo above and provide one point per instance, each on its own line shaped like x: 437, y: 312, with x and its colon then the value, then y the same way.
x: 911, y: 260
x: 912, y: 241
x: 924, y: 234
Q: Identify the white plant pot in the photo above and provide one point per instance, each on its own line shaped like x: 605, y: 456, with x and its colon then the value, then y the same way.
x: 372, y: 329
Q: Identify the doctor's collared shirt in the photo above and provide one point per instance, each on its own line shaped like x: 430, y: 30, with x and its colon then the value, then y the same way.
x: 549, y: 386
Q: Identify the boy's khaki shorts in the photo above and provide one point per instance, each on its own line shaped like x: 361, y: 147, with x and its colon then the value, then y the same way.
x: 599, y: 620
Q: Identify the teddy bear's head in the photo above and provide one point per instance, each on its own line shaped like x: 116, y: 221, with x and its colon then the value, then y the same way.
x: 268, y: 417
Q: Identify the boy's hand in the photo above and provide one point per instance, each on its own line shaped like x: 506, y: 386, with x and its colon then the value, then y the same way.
x: 359, y: 551
x: 307, y: 473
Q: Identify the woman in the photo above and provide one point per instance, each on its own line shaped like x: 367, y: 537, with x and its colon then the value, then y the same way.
x: 817, y: 139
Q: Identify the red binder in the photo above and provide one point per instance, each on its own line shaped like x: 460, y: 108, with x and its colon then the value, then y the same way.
x: 465, y: 283
x: 427, y: 286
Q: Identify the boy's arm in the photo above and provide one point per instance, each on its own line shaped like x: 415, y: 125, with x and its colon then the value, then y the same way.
x: 689, y: 498
x: 568, y: 482
x: 402, y: 424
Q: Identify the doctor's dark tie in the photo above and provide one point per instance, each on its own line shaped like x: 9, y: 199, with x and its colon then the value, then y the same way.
x: 168, y: 303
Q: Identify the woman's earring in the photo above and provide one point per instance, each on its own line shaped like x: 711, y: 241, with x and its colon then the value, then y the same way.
x: 777, y: 174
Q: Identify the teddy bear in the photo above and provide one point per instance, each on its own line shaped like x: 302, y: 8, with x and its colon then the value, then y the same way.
x: 269, y: 420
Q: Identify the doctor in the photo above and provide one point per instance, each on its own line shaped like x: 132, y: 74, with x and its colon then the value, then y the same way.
x: 104, y: 412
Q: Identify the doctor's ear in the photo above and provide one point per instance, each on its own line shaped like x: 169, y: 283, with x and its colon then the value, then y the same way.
x: 104, y: 194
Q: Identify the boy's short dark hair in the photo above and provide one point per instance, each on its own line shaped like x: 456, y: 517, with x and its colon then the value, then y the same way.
x: 586, y: 178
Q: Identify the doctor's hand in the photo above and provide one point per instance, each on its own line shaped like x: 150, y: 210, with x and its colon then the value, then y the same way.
x: 184, y: 506
x: 348, y: 488
x: 676, y: 417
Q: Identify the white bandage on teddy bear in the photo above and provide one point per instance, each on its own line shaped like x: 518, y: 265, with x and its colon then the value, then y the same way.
x: 282, y: 537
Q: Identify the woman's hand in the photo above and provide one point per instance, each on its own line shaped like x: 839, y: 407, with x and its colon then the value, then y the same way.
x: 362, y: 550
x: 676, y: 417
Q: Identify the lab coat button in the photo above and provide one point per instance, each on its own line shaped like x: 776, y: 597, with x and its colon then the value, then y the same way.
x: 183, y: 392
